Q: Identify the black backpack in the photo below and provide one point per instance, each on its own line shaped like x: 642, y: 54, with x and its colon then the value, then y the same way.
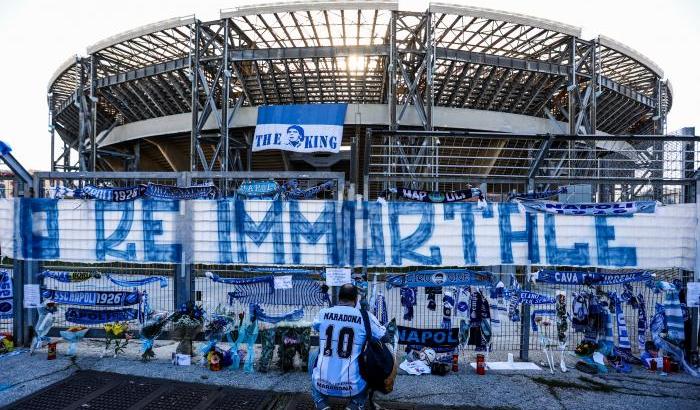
x: 376, y: 361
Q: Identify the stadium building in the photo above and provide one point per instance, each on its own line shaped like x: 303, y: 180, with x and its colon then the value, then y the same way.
x: 183, y: 95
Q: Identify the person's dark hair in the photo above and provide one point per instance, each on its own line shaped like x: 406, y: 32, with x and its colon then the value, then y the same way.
x: 650, y: 346
x: 298, y: 129
x: 347, y: 293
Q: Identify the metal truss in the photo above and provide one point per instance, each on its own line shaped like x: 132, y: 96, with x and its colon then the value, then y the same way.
x: 616, y: 167
x: 368, y: 53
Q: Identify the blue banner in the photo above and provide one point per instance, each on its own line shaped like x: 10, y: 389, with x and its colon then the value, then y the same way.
x: 110, y: 194
x: 440, y: 277
x: 269, y: 280
x: 539, y: 195
x: 590, y: 278
x: 300, y: 128
x: 91, y: 298
x: 94, y: 317
x: 130, y: 283
x: 335, y: 233
x: 593, y: 209
x: 69, y: 277
x: 258, y: 189
x: 6, y: 295
x: 157, y: 191
x: 429, y: 337
x: 292, y: 191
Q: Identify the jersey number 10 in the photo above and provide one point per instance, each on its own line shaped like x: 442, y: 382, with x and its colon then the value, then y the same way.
x: 346, y: 337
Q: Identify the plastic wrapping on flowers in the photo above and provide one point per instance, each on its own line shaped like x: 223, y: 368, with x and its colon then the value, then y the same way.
x: 73, y: 336
x: 150, y: 330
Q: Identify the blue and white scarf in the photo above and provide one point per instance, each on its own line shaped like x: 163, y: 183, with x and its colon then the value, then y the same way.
x: 91, y: 298
x: 674, y: 317
x: 257, y: 313
x: 205, y: 191
x: 593, y: 209
x: 520, y: 296
x: 439, y: 197
x: 379, y: 309
x: 440, y: 277
x: 258, y: 189
x: 448, y: 305
x: 6, y: 295
x: 281, y: 270
x: 623, y: 339
x: 498, y: 309
x: 269, y: 280
x: 463, y: 302
x: 93, y: 317
x: 125, y: 283
x: 589, y: 278
x: 641, y: 322
x: 608, y: 326
x: 657, y: 326
x: 303, y: 293
x: 408, y: 301
x: 69, y: 277
x: 293, y: 192
x: 111, y: 194
x: 539, y: 195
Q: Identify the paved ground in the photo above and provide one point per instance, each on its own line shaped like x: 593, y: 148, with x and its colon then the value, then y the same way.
x: 23, y: 375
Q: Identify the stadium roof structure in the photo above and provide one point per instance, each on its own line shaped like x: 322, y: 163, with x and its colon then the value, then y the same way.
x: 449, y: 67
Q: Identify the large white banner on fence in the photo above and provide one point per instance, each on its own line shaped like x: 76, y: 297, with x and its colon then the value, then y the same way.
x: 331, y: 233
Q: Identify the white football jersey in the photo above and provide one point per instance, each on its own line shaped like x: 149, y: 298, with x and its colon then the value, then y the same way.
x: 341, y: 338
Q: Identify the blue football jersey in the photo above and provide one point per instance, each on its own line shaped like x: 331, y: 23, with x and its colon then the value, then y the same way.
x: 341, y: 338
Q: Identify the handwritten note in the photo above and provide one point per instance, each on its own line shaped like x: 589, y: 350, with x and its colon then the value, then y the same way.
x: 283, y: 282
x: 338, y: 276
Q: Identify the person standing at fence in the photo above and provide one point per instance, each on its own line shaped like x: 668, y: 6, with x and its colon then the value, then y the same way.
x: 342, y: 337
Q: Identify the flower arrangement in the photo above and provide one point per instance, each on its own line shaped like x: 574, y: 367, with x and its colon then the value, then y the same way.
x: 187, y: 323
x: 6, y: 343
x: 43, y: 324
x: 73, y: 335
x: 150, y: 330
x: 117, y: 337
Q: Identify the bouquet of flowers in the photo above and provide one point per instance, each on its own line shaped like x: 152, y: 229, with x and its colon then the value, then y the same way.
x: 187, y: 323
x: 6, y: 343
x: 43, y: 325
x: 117, y: 337
x: 73, y: 335
x: 150, y: 330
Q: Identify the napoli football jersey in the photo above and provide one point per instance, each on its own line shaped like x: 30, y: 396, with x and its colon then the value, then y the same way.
x: 341, y: 338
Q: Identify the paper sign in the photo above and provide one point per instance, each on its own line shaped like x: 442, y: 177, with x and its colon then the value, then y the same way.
x: 32, y: 296
x: 693, y: 295
x: 338, y: 276
x: 283, y: 282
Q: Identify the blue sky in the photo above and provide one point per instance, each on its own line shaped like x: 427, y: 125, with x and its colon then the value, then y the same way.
x: 38, y: 35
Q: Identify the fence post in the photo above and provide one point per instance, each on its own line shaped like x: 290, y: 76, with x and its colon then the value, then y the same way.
x: 183, y: 281
x: 696, y: 271
x: 525, y: 320
x: 525, y: 312
x: 18, y: 320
